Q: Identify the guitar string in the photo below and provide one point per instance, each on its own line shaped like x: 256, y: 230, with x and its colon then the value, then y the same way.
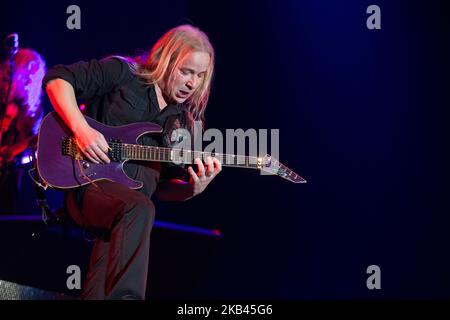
x: 166, y: 151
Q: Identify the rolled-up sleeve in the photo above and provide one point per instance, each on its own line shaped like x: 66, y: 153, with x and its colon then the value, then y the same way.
x: 93, y: 78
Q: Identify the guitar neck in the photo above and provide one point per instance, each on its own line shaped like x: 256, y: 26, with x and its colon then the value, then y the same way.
x: 150, y: 153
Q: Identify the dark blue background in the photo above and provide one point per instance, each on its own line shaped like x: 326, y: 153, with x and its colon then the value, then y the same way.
x: 363, y: 116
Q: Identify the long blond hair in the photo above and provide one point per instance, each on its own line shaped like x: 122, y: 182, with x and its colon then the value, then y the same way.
x: 167, y: 54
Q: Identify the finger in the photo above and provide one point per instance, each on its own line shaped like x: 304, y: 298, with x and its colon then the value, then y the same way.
x: 210, y: 164
x: 104, y: 145
x: 86, y: 152
x: 92, y: 155
x: 89, y: 157
x: 218, y: 165
x: 95, y: 153
x: 100, y: 154
x: 193, y: 174
x: 201, y: 167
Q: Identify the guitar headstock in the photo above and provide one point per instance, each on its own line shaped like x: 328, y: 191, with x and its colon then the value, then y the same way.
x: 270, y: 165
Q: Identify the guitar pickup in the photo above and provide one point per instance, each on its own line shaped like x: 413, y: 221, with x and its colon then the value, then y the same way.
x: 115, y: 152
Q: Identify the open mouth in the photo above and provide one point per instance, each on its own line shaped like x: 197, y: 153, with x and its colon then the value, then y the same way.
x: 183, y: 94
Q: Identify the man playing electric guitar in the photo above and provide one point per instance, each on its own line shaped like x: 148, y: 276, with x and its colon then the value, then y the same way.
x: 169, y: 86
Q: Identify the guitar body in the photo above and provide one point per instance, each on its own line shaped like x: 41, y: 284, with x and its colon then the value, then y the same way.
x: 64, y: 172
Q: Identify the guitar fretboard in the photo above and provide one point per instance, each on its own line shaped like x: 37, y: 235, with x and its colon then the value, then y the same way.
x: 151, y: 153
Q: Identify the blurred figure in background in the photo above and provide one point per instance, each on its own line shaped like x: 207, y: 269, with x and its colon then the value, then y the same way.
x: 21, y: 74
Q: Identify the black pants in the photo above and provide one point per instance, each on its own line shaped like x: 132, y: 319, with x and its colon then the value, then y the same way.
x: 119, y: 261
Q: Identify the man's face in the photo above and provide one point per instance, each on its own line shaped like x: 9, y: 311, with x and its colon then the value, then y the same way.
x: 189, y: 75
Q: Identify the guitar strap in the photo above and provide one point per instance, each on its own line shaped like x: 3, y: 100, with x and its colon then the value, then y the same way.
x: 50, y: 217
x: 39, y: 186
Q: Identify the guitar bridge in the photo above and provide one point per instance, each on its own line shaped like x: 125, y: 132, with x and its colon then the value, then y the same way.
x: 70, y: 148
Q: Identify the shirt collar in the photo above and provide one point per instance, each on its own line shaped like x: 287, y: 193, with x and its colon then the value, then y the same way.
x: 170, y: 108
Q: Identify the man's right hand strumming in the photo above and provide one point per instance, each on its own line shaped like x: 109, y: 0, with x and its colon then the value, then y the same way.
x: 91, y: 142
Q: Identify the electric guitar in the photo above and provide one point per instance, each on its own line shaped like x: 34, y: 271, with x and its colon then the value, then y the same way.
x: 62, y: 165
